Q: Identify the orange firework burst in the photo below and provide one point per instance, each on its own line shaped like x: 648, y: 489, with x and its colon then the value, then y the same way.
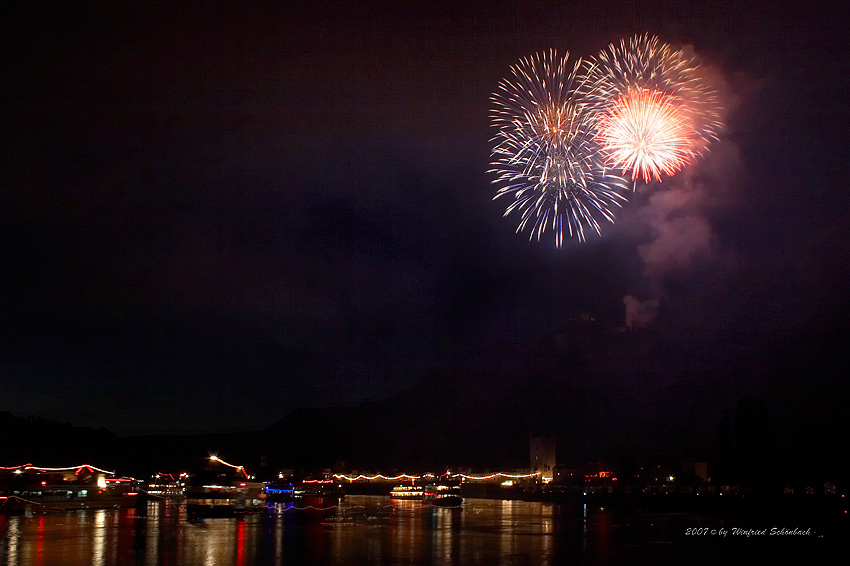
x: 645, y: 132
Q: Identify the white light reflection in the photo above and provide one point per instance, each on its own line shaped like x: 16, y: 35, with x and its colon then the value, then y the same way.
x: 152, y: 538
x: 99, y: 539
x: 13, y: 534
x: 443, y: 536
x: 584, y: 528
x: 507, y: 537
x: 278, y: 539
x: 546, y: 544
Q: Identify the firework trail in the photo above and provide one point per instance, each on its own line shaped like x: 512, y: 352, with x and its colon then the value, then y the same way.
x: 544, y: 155
x: 656, y: 113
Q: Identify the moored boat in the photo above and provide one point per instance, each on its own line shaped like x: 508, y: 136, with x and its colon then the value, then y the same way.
x: 411, y: 493
x: 446, y: 496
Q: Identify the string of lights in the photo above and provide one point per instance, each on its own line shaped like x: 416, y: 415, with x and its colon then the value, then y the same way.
x: 411, y: 477
x: 381, y: 477
x: 5, y: 499
x: 76, y: 469
x: 496, y: 475
x: 215, y: 458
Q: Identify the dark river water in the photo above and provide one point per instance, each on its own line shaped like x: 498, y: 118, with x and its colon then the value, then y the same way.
x: 371, y: 530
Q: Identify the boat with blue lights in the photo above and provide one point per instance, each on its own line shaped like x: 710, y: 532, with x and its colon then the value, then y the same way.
x: 280, y: 491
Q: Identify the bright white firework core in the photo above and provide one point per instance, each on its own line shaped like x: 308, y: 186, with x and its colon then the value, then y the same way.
x: 645, y: 132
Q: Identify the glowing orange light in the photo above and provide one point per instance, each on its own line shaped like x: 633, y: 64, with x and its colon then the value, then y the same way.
x: 215, y: 458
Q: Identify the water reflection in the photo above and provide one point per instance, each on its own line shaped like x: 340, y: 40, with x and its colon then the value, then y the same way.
x: 13, y: 533
x: 445, y: 522
x: 363, y: 530
x: 99, y: 544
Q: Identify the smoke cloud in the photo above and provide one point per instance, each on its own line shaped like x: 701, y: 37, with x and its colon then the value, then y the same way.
x: 640, y: 313
x: 674, y: 222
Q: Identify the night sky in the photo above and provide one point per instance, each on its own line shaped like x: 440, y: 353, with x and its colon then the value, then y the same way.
x: 213, y: 215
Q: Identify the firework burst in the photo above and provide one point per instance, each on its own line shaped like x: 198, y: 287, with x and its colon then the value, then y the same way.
x: 643, y: 132
x: 544, y: 156
x: 656, y: 113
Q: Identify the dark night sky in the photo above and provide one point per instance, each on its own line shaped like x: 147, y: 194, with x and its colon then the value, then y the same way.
x: 215, y: 215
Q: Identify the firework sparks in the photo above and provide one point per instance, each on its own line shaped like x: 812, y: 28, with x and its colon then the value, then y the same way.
x: 644, y: 132
x: 544, y: 156
x: 656, y: 113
